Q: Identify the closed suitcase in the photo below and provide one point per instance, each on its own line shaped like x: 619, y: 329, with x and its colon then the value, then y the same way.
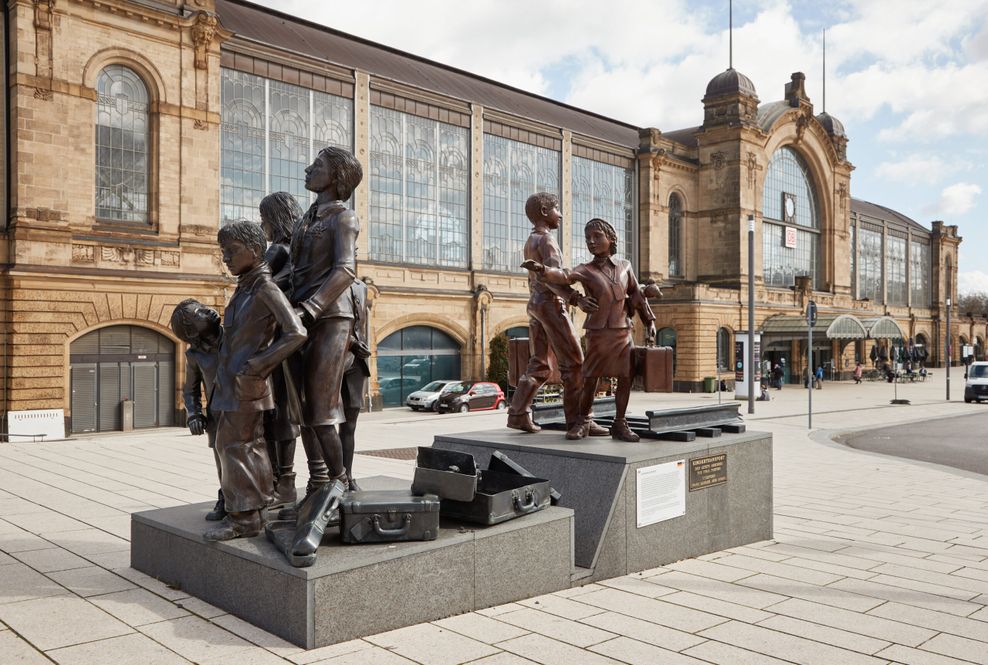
x: 519, y: 351
x: 654, y: 365
x: 449, y: 474
x: 388, y: 516
x: 500, y: 497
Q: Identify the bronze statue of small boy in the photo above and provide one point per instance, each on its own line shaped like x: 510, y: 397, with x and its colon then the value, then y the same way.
x: 199, y: 326
x: 549, y: 326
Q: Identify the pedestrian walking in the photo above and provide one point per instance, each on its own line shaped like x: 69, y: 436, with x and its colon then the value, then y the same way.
x: 857, y: 372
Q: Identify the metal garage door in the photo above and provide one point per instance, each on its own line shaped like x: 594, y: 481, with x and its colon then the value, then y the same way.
x: 116, y: 363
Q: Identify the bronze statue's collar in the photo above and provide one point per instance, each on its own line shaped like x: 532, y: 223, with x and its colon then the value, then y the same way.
x: 603, y: 261
x: 329, y: 207
x: 249, y: 279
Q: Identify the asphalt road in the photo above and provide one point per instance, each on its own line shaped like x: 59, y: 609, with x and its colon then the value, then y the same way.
x: 960, y: 441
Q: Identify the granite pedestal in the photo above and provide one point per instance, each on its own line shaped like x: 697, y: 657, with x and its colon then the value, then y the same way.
x: 597, y: 479
x: 356, y: 590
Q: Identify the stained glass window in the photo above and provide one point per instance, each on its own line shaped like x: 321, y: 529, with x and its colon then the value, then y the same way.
x: 513, y: 171
x: 919, y: 272
x: 895, y: 268
x: 675, y: 235
x: 122, y: 139
x: 270, y: 132
x: 789, y: 200
x: 419, y: 188
x: 604, y: 191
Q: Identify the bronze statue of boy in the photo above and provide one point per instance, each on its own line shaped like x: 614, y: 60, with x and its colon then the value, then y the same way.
x: 260, y: 330
x: 280, y: 213
x: 549, y: 326
x: 612, y: 284
x: 199, y: 326
x: 323, y: 256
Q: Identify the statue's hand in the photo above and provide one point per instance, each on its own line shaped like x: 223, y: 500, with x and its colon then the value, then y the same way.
x: 303, y: 315
x: 650, y: 334
x: 197, y: 425
x: 651, y: 290
x: 587, y: 303
x: 533, y: 266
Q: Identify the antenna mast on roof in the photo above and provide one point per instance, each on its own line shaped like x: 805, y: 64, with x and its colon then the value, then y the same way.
x: 730, y: 34
x: 824, y: 70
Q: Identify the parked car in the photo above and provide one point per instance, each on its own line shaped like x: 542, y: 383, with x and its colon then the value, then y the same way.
x: 466, y: 396
x: 427, y: 397
x: 976, y: 386
x: 393, y: 387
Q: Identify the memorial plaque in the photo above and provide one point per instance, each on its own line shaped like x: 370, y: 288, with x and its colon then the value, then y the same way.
x: 708, y: 471
x: 660, y: 492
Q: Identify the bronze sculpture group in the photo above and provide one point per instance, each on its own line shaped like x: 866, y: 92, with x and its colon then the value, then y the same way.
x: 290, y: 357
x: 291, y: 332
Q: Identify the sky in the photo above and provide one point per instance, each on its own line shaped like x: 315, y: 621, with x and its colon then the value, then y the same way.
x: 907, y: 78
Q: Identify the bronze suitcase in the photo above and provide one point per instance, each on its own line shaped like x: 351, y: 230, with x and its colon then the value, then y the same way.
x: 654, y: 366
x: 388, y: 516
x: 500, y: 497
x: 519, y: 351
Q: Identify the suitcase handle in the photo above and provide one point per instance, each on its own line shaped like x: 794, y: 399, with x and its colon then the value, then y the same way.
x: 400, y: 531
x: 530, y: 505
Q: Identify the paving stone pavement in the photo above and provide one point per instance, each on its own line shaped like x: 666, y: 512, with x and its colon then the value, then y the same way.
x: 874, y: 560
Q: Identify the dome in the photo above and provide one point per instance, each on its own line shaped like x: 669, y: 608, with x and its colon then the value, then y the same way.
x: 831, y: 124
x: 730, y: 82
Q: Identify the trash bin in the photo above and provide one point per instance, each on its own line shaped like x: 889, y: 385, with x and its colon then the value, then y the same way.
x: 127, y: 415
x: 709, y: 384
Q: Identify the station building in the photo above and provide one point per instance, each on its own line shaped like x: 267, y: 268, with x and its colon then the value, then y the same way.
x: 136, y: 128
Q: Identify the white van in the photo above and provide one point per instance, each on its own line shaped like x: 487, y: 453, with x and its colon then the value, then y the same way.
x: 976, y: 387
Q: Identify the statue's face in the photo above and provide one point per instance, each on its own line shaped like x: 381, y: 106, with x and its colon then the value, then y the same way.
x: 552, y: 217
x: 267, y: 227
x: 238, y: 257
x: 598, y: 243
x: 317, y: 175
x: 204, y: 331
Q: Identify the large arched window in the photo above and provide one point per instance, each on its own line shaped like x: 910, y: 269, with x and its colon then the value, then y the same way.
x: 122, y: 146
x: 412, y: 357
x: 791, y: 221
x: 675, y: 235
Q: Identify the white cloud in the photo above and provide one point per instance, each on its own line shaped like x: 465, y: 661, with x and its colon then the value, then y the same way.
x: 919, y: 168
x: 955, y: 200
x: 972, y: 281
x: 648, y: 62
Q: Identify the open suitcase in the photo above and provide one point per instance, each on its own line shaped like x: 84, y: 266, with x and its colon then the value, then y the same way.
x: 499, y: 498
x: 388, y: 516
x: 446, y: 473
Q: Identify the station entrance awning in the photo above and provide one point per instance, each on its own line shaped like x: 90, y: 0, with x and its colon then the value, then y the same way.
x: 830, y: 326
x: 883, y: 327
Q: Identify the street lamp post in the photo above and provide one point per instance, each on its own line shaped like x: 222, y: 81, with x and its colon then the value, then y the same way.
x: 947, y: 345
x: 751, y: 313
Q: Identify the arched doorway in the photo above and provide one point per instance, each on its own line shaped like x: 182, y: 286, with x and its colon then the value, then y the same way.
x: 412, y: 357
x: 116, y: 363
x: 516, y: 331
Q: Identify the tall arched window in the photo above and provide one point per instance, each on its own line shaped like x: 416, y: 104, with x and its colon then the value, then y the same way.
x: 791, y: 221
x: 122, y: 140
x: 675, y: 235
x: 723, y: 349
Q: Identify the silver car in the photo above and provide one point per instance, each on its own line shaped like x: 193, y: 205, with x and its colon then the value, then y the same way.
x: 427, y: 398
